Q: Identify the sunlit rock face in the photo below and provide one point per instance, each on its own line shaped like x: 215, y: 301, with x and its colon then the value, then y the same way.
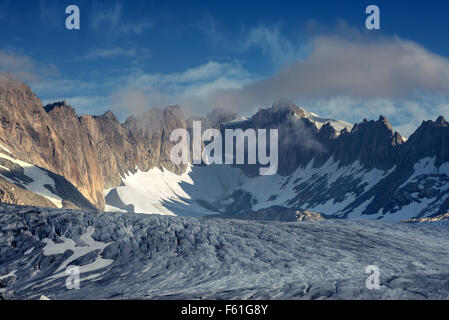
x: 91, y: 152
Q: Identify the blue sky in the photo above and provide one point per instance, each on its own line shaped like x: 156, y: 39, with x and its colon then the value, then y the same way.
x: 131, y: 55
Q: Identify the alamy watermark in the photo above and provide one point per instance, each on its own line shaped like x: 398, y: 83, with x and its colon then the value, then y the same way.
x: 72, y: 282
x: 73, y: 20
x: 373, y: 280
x: 373, y: 20
x: 212, y: 153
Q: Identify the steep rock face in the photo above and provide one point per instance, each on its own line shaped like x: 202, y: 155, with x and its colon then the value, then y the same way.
x: 421, y: 174
x: 149, y: 133
x: 112, y: 148
x: 28, y: 184
x: 24, y: 123
x: 73, y: 155
x: 297, y: 142
x: 429, y: 140
x: 372, y: 143
x: 116, y: 149
x: 91, y: 152
x: 50, y: 138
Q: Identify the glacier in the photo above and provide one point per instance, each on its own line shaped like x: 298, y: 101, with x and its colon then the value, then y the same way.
x: 139, y: 256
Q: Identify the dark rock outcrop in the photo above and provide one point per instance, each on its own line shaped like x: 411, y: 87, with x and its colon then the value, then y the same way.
x: 431, y: 139
x: 13, y: 194
x: 373, y: 143
x: 440, y: 217
x: 274, y: 213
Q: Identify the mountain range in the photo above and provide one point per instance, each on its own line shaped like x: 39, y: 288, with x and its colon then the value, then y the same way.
x: 52, y: 157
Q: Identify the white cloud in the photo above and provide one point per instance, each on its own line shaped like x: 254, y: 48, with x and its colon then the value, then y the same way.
x: 344, y: 78
x: 189, y: 88
x: 359, y: 67
x: 129, y: 101
x: 25, y: 68
x: 115, y: 52
x: 272, y: 43
x: 112, y: 19
x: 63, y: 87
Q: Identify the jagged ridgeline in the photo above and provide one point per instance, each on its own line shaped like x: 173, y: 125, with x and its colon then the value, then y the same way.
x: 90, y: 152
x: 50, y: 156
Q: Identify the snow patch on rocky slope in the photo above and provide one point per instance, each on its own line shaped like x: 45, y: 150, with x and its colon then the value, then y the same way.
x: 38, y: 178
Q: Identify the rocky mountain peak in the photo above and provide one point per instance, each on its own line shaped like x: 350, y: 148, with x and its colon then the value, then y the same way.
x: 385, y: 122
x: 57, y: 104
x: 327, y: 131
x: 441, y: 121
x: 13, y: 93
x: 154, y: 117
x: 397, y: 139
x: 219, y: 116
x: 108, y: 116
x: 429, y: 140
x: 280, y: 112
x: 371, y: 142
x: 428, y: 127
x: 288, y: 107
x: 60, y: 107
x: 10, y: 83
x: 381, y: 126
x: 174, y: 112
